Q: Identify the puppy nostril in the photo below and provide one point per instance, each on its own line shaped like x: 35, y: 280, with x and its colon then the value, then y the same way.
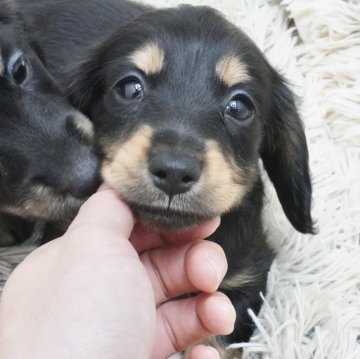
x: 187, y: 180
x: 160, y: 174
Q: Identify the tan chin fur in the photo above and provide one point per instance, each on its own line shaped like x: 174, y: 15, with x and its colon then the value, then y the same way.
x: 44, y: 204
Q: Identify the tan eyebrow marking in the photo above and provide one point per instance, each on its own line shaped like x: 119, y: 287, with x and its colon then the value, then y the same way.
x: 231, y: 70
x: 149, y: 58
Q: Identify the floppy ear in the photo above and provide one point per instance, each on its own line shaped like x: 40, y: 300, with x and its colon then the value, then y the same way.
x: 285, y: 156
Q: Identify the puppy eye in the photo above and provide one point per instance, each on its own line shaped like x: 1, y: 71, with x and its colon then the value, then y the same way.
x: 240, y: 108
x: 130, y: 89
x: 19, y: 71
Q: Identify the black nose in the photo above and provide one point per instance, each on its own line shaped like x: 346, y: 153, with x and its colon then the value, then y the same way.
x: 80, y: 178
x: 85, y: 179
x: 174, y: 173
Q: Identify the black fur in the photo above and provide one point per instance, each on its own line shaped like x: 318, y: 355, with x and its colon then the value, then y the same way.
x: 86, y: 45
x: 47, y: 165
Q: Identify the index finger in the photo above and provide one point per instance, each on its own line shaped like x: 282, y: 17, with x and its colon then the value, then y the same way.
x: 104, y: 211
x: 145, y: 238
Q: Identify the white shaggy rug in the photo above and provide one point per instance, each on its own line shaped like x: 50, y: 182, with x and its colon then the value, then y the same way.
x: 312, y: 306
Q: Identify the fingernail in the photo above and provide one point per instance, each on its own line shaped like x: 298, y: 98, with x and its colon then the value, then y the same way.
x: 211, y: 353
x: 219, y: 265
x: 227, y: 311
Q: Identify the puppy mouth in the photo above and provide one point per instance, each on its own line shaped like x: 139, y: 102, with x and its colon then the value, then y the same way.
x: 44, y: 203
x: 61, y: 207
x: 69, y: 205
x: 167, y: 218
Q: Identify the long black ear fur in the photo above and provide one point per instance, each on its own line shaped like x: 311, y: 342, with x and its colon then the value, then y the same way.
x: 85, y: 84
x: 285, y: 157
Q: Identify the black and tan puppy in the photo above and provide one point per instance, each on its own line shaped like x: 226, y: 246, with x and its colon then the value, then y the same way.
x: 47, y: 162
x: 184, y: 105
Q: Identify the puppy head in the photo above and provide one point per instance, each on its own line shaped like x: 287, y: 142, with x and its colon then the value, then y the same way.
x: 184, y: 105
x: 47, y: 163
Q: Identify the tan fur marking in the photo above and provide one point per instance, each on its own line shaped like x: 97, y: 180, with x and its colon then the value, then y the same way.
x: 44, y: 203
x: 231, y: 70
x: 221, y: 187
x: 84, y: 125
x: 238, y: 280
x: 149, y: 58
x: 127, y: 160
x: 222, y: 180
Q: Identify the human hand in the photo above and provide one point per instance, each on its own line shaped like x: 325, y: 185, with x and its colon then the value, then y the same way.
x: 88, y: 294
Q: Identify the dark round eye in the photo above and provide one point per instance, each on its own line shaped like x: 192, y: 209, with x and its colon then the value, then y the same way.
x: 130, y: 89
x: 19, y: 71
x: 240, y: 108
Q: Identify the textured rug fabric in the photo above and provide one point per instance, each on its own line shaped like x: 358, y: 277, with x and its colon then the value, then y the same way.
x: 312, y: 305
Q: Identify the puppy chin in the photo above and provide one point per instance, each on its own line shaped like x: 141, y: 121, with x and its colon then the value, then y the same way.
x: 168, y: 219
x: 47, y: 205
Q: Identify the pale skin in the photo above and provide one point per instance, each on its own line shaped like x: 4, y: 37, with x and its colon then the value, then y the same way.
x: 102, y: 291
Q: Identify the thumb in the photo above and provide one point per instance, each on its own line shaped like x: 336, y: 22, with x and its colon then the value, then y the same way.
x: 104, y: 211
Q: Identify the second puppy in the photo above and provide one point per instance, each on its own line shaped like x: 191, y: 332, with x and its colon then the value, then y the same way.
x: 48, y: 165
